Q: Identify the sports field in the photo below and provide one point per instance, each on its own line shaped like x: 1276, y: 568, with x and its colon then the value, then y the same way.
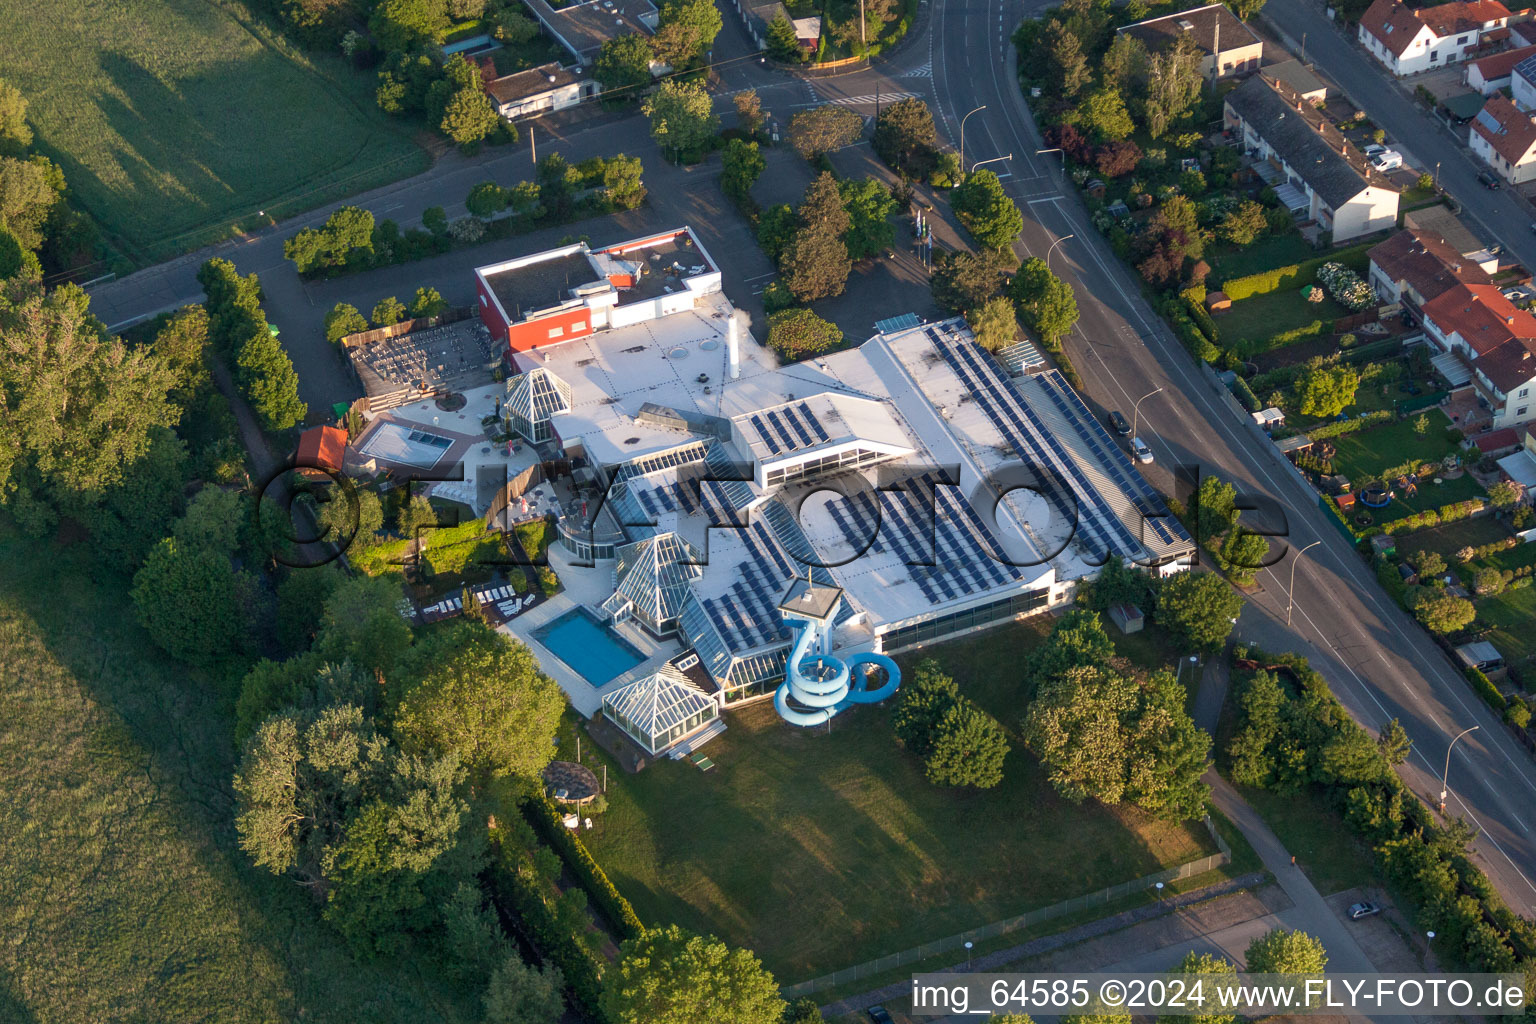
x: 175, y: 119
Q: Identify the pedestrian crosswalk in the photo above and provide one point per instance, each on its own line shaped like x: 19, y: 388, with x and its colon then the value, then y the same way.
x: 926, y: 71
x: 870, y: 99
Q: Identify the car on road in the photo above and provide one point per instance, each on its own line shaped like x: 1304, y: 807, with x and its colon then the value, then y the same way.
x: 1489, y: 180
x: 1387, y: 160
x: 879, y: 1015
x: 1140, y: 450
x: 1118, y: 424
x: 1358, y: 910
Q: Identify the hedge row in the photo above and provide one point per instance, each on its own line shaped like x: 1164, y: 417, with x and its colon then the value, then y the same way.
x: 1194, y: 338
x: 1339, y: 428
x: 1203, y: 319
x: 1293, y: 275
x: 518, y: 894
x: 1245, y: 394
x: 546, y: 820
x: 1486, y: 690
x: 1454, y: 512
x: 1433, y: 873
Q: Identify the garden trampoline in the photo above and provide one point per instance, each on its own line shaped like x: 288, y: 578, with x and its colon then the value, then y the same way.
x: 1375, y: 496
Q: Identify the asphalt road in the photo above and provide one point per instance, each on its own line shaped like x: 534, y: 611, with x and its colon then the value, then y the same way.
x: 1379, y: 662
x: 1377, y: 659
x: 1497, y: 215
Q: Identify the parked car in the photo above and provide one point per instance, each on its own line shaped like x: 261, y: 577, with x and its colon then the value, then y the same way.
x: 1373, y: 149
x: 1387, y: 160
x: 1118, y: 424
x: 1140, y: 450
x: 1489, y: 180
x: 1359, y: 910
x: 879, y: 1015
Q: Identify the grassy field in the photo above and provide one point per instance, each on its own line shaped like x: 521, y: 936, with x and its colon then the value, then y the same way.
x: 1250, y: 324
x: 1511, y: 615
x: 1449, y: 539
x: 821, y: 850
x: 1367, y: 453
x: 1325, y: 847
x: 173, y: 119
x: 1229, y: 261
x: 122, y: 894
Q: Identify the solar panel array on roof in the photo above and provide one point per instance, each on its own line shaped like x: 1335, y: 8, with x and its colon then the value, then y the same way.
x: 725, y: 469
x: 746, y: 616
x: 1113, y: 460
x: 935, y: 531
x: 788, y: 429
x: 1098, y: 528
x: 897, y: 323
x: 1490, y: 122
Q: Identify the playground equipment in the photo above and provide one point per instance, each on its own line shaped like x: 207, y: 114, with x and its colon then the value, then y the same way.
x: 817, y: 685
x: 1375, y: 496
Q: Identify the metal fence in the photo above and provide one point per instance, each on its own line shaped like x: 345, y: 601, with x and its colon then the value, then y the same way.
x: 956, y: 943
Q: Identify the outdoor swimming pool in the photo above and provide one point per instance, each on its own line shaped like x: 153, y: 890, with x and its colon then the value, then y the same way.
x: 397, y: 442
x: 589, y: 647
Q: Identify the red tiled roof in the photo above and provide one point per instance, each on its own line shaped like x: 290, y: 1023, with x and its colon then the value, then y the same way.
x: 1392, y: 23
x: 1501, y: 65
x: 1483, y: 317
x: 1496, y: 439
x: 1449, y: 19
x: 1426, y: 263
x: 322, y: 446
x: 1510, y: 364
x: 1516, y: 133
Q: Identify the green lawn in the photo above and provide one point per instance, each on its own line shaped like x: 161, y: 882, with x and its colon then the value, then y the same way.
x: 1325, y: 847
x: 1250, y: 325
x: 1366, y: 454
x: 1511, y: 614
x: 125, y: 896
x: 1431, y: 495
x: 1229, y: 261
x: 1449, y: 539
x: 821, y: 849
x: 173, y: 119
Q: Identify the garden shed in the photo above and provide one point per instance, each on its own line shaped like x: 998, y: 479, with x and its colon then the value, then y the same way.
x: 1269, y: 418
x: 1128, y: 617
x: 1483, y: 656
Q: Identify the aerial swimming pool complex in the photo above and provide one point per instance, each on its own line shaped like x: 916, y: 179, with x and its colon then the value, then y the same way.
x: 588, y: 647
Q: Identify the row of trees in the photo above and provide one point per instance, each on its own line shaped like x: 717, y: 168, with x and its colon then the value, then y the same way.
x: 1240, y: 552
x: 1294, y: 737
x: 344, y: 318
x: 239, y: 331
x: 837, y: 222
x: 39, y: 231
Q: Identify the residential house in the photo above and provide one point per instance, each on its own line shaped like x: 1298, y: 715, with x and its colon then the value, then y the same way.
x: 1505, y: 137
x: 1495, y: 341
x: 1522, y: 83
x: 1334, y: 184
x: 1490, y: 74
x: 537, y: 90
x: 1520, y: 466
x: 1220, y: 36
x: 1414, y: 266
x: 1299, y: 78
x: 759, y: 14
x: 583, y: 28
x: 1409, y: 41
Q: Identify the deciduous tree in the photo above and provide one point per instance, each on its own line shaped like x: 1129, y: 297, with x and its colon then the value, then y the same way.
x: 905, y: 137
x: 1244, y: 224
x: 1046, y: 302
x: 519, y: 993
x: 486, y: 702
x: 1198, y: 608
x: 669, y: 976
x: 741, y: 165
x: 815, y: 264
x: 187, y: 599
x: 623, y: 187
x: 428, y: 302
x: 1327, y: 390
x: 15, y: 133
x: 749, y: 112
x: 823, y: 129
x: 964, y: 281
x: 623, y: 66
x: 869, y: 205
x: 1104, y: 115
x: 342, y: 320
x: 1444, y: 614
x: 698, y: 23
x: 1283, y: 951
x: 682, y: 118
x: 387, y: 311
x: 987, y: 212
x: 797, y: 333
x: 994, y: 323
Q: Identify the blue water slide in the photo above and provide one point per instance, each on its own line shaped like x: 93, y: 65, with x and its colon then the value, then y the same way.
x: 822, y: 685
x: 860, y: 692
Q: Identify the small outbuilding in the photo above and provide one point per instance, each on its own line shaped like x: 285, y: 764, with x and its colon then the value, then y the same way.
x: 1269, y: 418
x: 1483, y: 656
x: 321, y: 449
x: 661, y: 710
x: 1217, y: 302
x: 1383, y: 545
x: 1128, y: 617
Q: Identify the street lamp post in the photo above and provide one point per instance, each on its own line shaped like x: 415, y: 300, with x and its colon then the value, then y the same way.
x: 1291, y: 590
x: 993, y: 160
x: 1052, y: 249
x: 1447, y: 769
x: 962, y: 135
x: 1136, y: 410
x: 968, y: 956
x: 1054, y: 149
x: 1193, y: 658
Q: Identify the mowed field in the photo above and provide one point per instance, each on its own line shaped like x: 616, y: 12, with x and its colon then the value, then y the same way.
x: 123, y: 896
x: 175, y: 119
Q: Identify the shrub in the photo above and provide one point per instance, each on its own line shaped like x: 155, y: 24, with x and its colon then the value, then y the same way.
x: 797, y: 333
x: 1349, y: 426
x: 1346, y: 286
x: 1485, y: 689
x: 605, y: 896
x: 1245, y: 394
x: 1292, y: 275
